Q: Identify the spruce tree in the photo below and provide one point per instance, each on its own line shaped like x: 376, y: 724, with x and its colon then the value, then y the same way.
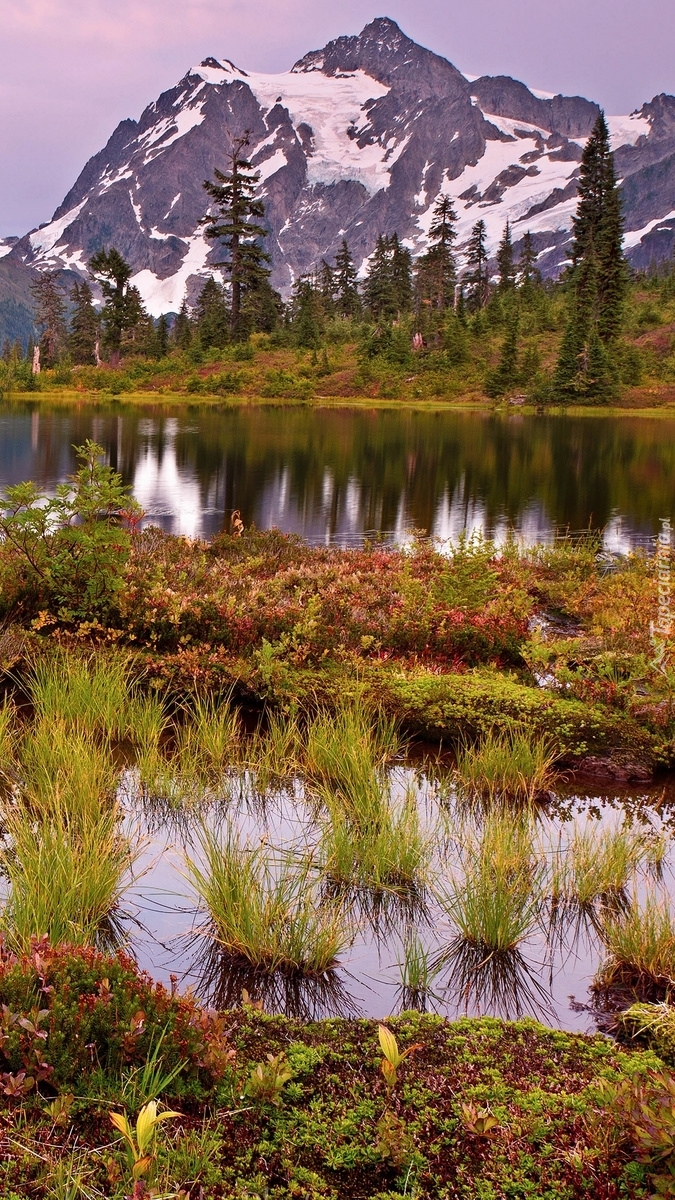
x: 346, y: 285
x: 528, y: 274
x: 401, y: 275
x: 261, y: 306
x: 505, y: 261
x: 306, y: 312
x: 325, y: 285
x: 436, y: 273
x: 162, y: 336
x: 478, y: 277
x: 181, y: 334
x: 139, y: 337
x: 236, y: 223
x: 212, y: 316
x: 50, y: 317
x: 597, y: 278
x: 505, y: 376
x: 120, y: 311
x: 379, y: 290
x: 84, y: 325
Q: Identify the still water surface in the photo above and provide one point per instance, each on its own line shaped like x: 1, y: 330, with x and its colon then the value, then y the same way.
x: 334, y: 475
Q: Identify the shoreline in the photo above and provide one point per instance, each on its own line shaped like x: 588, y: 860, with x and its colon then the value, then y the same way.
x: 63, y: 398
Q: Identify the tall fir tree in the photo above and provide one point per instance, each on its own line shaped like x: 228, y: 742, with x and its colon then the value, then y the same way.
x: 597, y: 278
x: 212, y: 316
x: 236, y: 224
x: 528, y: 274
x: 306, y: 312
x: 181, y: 334
x: 85, y: 325
x: 478, y: 278
x: 120, y: 312
x: 505, y: 261
x: 436, y: 271
x: 379, y: 291
x: 505, y: 377
x: 50, y: 316
x: 327, y: 288
x: 346, y: 284
x: 162, y: 336
x: 401, y: 275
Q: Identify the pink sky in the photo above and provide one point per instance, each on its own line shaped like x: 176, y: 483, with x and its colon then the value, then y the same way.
x: 71, y: 69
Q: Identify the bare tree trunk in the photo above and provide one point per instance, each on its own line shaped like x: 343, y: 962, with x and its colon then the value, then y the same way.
x: 36, y: 361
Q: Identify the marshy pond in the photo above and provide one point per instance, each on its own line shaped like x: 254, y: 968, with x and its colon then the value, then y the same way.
x: 321, y: 864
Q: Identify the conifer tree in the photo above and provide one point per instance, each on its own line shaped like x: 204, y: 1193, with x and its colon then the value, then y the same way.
x: 505, y: 375
x: 477, y: 259
x: 121, y: 311
x: 436, y: 270
x: 213, y: 317
x: 181, y: 334
x: 597, y: 278
x: 528, y: 274
x: 379, y: 292
x: 306, y: 310
x: 325, y: 284
x: 401, y: 275
x: 236, y: 223
x: 139, y: 337
x: 84, y: 325
x: 50, y: 316
x: 505, y: 261
x: 347, y: 291
x: 162, y: 336
x: 261, y: 306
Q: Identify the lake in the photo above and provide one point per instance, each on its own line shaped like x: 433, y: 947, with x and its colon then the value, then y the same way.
x: 335, y: 475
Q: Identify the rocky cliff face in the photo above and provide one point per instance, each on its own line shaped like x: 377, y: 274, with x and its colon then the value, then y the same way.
x: 356, y: 139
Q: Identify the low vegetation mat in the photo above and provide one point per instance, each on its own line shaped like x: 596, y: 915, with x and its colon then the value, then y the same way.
x: 257, y: 1106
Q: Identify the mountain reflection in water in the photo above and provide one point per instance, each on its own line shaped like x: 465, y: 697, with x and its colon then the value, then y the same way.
x: 333, y: 475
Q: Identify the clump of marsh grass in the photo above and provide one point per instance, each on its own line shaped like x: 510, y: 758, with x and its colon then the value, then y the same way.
x: 265, y: 910
x: 272, y: 754
x: 65, y: 771
x: 640, y: 946
x: 375, y: 844
x: 595, y: 869
x: 344, y: 749
x: 65, y: 875
x: 417, y: 976
x: 208, y: 739
x: 496, y: 901
x: 147, y: 723
x: 506, y: 766
x: 8, y: 745
x: 88, y: 694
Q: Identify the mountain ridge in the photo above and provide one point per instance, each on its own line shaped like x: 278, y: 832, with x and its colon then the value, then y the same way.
x: 357, y: 138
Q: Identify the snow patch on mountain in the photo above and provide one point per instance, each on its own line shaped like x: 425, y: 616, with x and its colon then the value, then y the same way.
x: 335, y: 108
x: 510, y: 179
x: 169, y: 130
x: 625, y: 131
x: 166, y: 295
x: 635, y: 236
x: 46, y: 238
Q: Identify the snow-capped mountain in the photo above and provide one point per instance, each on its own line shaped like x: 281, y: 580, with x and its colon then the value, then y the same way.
x: 357, y: 139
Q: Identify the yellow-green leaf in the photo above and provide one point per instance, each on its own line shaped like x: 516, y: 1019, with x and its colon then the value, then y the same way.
x: 388, y: 1044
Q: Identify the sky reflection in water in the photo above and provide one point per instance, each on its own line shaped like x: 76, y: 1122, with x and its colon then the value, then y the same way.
x: 333, y: 475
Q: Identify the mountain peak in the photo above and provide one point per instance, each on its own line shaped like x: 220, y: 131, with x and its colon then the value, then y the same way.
x: 383, y: 51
